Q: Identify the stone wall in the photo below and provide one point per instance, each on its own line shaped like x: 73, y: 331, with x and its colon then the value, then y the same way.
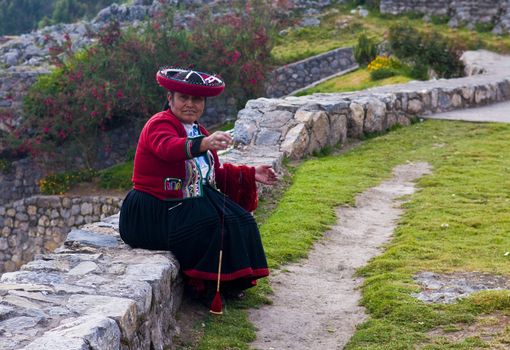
x: 22, y: 177
x: 459, y: 12
x: 95, y: 292
x: 295, y: 76
x: 39, y: 224
x: 92, y: 293
x: 295, y: 127
x: 21, y: 180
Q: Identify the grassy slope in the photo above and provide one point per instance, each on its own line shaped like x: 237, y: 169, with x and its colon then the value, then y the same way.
x: 353, y: 81
x: 469, y: 161
x: 469, y: 190
x: 305, y: 42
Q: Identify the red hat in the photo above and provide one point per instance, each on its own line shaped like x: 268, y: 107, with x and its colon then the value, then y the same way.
x: 190, y: 82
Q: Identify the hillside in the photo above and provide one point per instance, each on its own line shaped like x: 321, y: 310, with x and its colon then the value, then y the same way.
x: 23, y: 16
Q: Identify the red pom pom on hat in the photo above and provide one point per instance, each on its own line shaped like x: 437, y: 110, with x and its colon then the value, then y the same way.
x: 190, y: 82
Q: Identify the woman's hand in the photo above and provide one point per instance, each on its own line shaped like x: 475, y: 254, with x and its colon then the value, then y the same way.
x: 265, y: 174
x: 219, y: 140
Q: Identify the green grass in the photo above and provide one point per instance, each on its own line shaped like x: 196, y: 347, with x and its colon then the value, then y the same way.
x: 353, y: 81
x: 469, y: 189
x: 305, y: 42
x: 117, y: 176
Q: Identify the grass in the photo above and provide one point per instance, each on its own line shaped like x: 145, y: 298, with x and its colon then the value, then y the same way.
x: 353, y: 81
x: 305, y: 42
x: 117, y: 176
x: 469, y: 189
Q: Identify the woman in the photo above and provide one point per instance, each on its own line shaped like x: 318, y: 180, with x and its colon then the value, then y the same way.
x: 183, y: 200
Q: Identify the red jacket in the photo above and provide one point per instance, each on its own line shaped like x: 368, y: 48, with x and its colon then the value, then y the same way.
x: 165, y: 166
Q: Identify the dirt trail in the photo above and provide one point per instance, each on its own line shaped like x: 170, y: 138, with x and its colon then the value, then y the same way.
x: 315, y: 302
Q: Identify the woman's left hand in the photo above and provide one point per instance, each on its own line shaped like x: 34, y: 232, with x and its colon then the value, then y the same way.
x: 265, y: 174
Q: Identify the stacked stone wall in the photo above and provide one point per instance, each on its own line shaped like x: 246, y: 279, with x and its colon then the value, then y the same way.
x: 22, y: 176
x: 39, y: 224
x: 460, y: 12
x: 298, y: 75
x: 95, y: 292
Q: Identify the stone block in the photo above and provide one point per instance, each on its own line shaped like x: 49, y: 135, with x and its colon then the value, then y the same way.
x: 84, y: 333
x: 275, y: 119
x: 83, y: 268
x: 75, y: 210
x: 31, y: 210
x: 8, y: 222
x: 66, y: 202
x: 122, y: 310
x: 268, y: 137
x: 375, y: 117
x: 456, y: 100
x: 296, y: 142
x: 86, y: 209
x: 319, y: 132
x: 3, y: 244
x: 415, y: 107
x: 245, y: 131
x: 43, y: 221
x: 355, y: 120
x: 338, y: 127
x: 304, y: 117
x: 468, y: 93
x: 482, y: 95
x: 90, y: 238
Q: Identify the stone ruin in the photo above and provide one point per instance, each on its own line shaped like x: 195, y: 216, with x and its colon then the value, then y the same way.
x: 94, y: 292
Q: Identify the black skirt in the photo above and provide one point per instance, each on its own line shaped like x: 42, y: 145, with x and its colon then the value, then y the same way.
x: 195, y: 230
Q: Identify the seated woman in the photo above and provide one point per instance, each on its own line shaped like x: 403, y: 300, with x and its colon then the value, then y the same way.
x: 183, y: 200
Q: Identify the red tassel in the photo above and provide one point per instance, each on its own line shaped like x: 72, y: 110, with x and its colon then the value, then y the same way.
x: 216, y: 305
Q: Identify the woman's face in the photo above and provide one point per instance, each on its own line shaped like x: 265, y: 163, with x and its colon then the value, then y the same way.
x: 185, y: 107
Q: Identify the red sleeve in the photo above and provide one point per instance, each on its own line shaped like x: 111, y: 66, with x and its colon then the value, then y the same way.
x: 161, y: 138
x: 238, y: 183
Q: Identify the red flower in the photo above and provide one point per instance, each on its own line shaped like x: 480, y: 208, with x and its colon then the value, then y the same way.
x: 120, y: 94
x: 235, y: 56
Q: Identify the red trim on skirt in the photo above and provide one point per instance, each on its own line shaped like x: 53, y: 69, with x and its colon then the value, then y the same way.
x: 244, y: 273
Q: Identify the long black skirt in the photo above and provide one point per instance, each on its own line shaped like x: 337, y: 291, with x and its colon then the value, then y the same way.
x: 195, y: 230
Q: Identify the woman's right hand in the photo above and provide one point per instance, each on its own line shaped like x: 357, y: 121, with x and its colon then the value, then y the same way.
x: 217, y: 141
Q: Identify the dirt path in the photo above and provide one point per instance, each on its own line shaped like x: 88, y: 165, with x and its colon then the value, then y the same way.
x: 315, y: 305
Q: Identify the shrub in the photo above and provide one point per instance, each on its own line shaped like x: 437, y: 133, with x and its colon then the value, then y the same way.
x: 484, y: 27
x: 418, y: 71
x: 384, y: 67
x: 382, y: 73
x: 426, y: 49
x: 384, y: 62
x: 366, y: 50
x: 112, y: 83
x: 117, y: 177
x: 62, y: 182
x: 438, y: 19
x: 5, y: 166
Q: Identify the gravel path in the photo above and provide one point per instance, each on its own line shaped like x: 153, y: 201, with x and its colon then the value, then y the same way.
x: 315, y: 302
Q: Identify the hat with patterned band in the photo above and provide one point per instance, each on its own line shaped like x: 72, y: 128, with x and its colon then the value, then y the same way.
x: 190, y: 82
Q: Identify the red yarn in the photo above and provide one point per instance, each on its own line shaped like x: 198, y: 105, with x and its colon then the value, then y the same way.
x: 216, y: 306
x: 238, y: 183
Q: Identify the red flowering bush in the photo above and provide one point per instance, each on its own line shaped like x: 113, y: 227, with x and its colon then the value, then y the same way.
x: 112, y: 83
x: 237, y: 46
